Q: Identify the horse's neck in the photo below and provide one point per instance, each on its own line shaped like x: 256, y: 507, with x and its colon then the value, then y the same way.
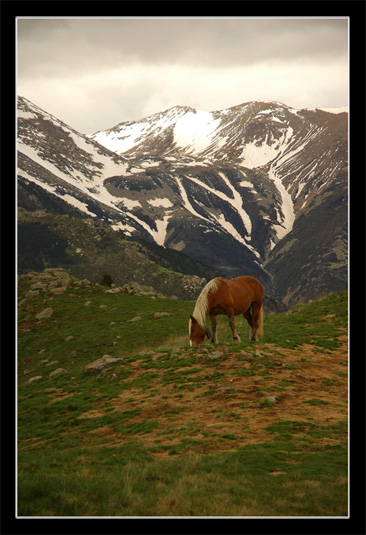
x: 201, y: 309
x: 204, y: 301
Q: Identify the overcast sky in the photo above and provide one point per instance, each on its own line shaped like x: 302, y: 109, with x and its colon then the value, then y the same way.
x: 95, y: 73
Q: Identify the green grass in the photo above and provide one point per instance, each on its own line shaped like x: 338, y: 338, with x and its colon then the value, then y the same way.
x: 269, y: 479
x: 126, y: 442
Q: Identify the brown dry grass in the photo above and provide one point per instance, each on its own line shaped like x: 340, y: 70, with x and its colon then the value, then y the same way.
x: 308, y: 385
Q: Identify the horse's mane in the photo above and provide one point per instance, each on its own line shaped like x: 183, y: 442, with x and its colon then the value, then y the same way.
x: 201, y: 309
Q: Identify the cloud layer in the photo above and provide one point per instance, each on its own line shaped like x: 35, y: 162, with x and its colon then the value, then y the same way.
x: 94, y: 73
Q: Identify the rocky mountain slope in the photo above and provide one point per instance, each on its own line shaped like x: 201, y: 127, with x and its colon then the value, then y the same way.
x: 90, y: 249
x: 259, y: 188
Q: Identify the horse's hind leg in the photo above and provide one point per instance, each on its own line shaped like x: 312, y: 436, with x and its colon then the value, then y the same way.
x: 248, y: 316
x: 255, y: 325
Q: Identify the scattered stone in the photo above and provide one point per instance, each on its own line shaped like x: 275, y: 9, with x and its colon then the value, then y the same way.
x: 87, y: 303
x: 101, y: 364
x: 52, y: 363
x: 134, y: 288
x: 31, y: 293
x: 58, y: 291
x: 57, y: 372
x: 113, y: 291
x: 33, y: 379
x: 137, y: 318
x: 65, y: 279
x: 226, y: 389
x: 159, y: 315
x: 52, y: 285
x: 46, y: 313
x: 69, y: 338
x: 215, y: 355
x: 37, y: 286
x: 28, y: 371
x: 269, y: 401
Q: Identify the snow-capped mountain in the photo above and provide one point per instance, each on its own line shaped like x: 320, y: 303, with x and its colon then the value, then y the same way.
x: 228, y: 188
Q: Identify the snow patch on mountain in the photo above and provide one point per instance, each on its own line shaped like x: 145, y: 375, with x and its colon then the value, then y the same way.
x: 259, y: 153
x: 188, y: 206
x: 130, y: 204
x: 256, y: 154
x: 162, y: 225
x: 120, y: 143
x: 237, y: 203
x: 195, y: 130
x: 160, y: 203
x: 287, y: 207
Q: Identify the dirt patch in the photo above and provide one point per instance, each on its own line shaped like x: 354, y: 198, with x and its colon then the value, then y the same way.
x: 230, y: 402
x: 57, y: 394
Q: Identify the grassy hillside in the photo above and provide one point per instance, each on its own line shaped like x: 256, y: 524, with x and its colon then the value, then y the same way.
x: 249, y: 429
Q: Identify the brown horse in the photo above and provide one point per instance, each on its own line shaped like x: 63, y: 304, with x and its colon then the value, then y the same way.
x: 243, y: 295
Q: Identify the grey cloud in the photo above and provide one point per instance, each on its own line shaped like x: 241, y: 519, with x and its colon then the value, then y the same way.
x: 89, y: 43
x: 97, y: 72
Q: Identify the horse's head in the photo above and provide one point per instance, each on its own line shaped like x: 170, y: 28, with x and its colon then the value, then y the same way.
x: 197, y: 333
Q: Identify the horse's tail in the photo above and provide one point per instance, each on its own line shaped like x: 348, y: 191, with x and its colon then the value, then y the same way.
x: 260, y: 322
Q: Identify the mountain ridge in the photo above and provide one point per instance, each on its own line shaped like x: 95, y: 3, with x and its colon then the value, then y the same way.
x: 226, y: 188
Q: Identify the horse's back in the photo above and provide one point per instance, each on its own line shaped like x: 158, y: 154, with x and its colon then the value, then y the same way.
x: 247, y: 284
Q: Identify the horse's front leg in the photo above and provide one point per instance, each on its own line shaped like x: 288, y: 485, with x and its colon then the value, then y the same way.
x: 236, y: 337
x: 213, y: 329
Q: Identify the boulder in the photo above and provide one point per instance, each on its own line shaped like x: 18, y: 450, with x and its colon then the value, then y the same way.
x: 57, y: 372
x: 38, y: 286
x: 46, y: 313
x: 101, y: 364
x: 33, y: 379
x: 31, y: 292
x: 215, y: 355
x: 58, y: 291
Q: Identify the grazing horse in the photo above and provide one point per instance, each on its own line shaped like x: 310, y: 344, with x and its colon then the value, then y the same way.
x: 243, y: 295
